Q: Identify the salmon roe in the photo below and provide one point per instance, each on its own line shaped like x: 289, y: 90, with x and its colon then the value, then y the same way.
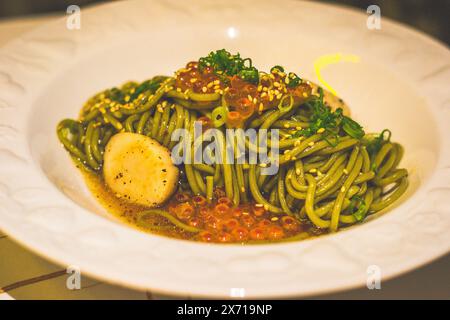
x: 221, y: 222
x: 243, y: 98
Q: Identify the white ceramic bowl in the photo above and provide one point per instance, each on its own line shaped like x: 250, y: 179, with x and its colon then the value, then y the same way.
x: 400, y: 82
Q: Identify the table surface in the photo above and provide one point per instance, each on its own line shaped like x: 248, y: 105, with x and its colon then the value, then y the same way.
x: 25, y: 275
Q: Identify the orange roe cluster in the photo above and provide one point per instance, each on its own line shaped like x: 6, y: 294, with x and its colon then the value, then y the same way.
x: 221, y: 222
x: 242, y: 97
x: 198, y: 81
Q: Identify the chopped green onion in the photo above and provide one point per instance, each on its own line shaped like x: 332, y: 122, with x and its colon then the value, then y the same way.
x: 250, y: 75
x: 352, y: 128
x: 374, y: 144
x: 360, y: 205
x: 219, y: 116
x: 276, y: 68
x: 225, y: 64
x: 294, y: 80
x: 285, y: 108
x: 329, y: 122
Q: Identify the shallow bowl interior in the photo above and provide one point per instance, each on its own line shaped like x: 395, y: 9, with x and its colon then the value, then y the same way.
x: 377, y: 97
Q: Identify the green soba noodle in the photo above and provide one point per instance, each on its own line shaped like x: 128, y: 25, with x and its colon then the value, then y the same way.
x: 333, y: 179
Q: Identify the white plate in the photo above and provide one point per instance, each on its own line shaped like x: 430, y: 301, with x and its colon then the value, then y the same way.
x: 400, y: 82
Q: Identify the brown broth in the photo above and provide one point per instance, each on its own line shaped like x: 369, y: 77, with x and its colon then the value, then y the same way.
x: 247, y: 223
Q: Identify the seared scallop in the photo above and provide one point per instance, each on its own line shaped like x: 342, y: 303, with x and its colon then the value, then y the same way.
x: 139, y: 170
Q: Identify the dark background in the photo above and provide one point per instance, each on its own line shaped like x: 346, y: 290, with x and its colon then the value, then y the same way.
x: 432, y: 17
